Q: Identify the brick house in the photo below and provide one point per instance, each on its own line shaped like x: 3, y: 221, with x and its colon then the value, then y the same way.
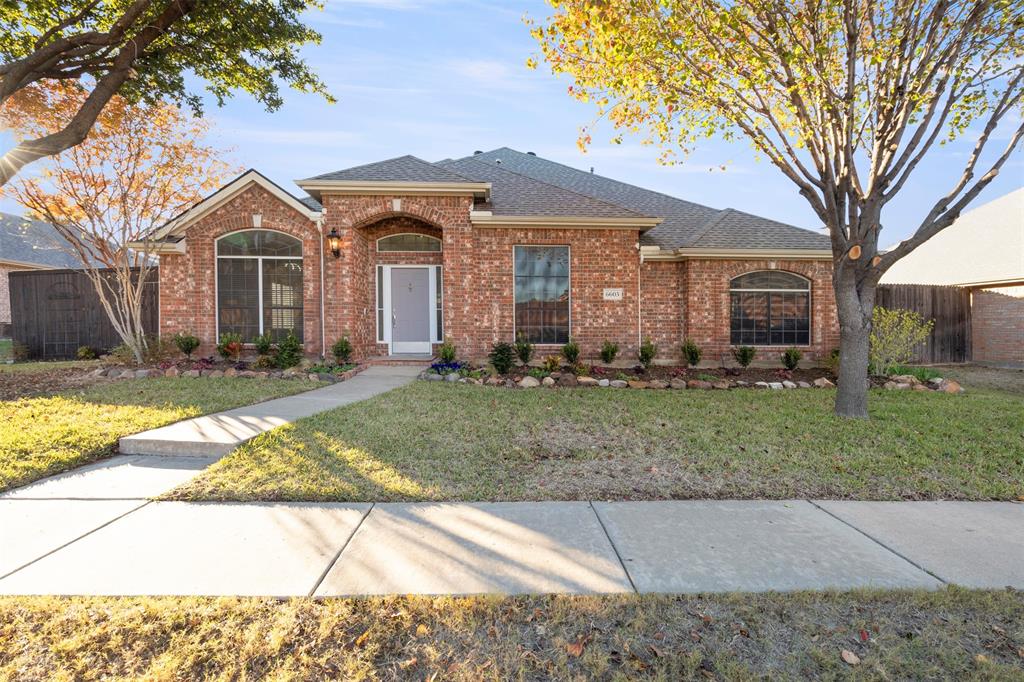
x: 400, y: 254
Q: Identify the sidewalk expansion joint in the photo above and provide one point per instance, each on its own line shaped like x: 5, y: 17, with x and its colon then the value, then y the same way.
x: 337, y: 556
x: 615, y: 549
x: 881, y: 544
x: 72, y: 541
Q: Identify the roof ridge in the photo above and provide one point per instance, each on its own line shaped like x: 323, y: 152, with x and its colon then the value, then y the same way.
x: 598, y: 175
x: 558, y: 187
x: 711, y: 222
x: 403, y: 157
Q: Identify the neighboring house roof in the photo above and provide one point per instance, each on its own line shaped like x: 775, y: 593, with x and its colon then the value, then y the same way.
x: 400, y: 169
x: 685, y: 224
x: 985, y: 246
x: 513, y: 194
x: 32, y: 243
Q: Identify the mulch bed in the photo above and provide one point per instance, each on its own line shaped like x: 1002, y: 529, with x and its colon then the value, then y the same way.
x: 14, y: 385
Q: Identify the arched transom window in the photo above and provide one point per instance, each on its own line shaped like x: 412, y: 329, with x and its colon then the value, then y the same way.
x: 259, y: 284
x: 409, y: 241
x: 770, y: 308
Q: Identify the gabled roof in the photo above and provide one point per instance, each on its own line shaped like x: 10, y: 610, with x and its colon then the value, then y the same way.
x: 513, y: 194
x: 684, y: 222
x: 33, y: 243
x: 177, y: 225
x: 400, y: 169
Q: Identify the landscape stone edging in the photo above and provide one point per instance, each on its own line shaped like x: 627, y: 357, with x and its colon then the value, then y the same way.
x: 902, y: 382
x: 172, y: 372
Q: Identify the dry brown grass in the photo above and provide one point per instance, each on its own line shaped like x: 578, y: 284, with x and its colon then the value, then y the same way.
x: 950, y: 634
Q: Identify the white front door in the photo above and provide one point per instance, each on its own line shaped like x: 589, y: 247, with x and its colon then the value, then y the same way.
x: 410, y: 292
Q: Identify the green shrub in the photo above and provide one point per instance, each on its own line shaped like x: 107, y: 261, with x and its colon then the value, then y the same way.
x: 692, y: 353
x: 447, y: 351
x: 923, y: 374
x: 229, y: 346
x: 186, y: 343
x: 502, y: 356
x: 791, y: 358
x: 571, y: 351
x: 158, y: 349
x: 86, y: 353
x: 538, y: 372
x: 744, y: 355
x: 832, y: 361
x: 289, y: 351
x: 342, y: 350
x: 894, y: 336
x: 264, y: 343
x: 647, y: 352
x: 609, y: 350
x: 524, y: 349
x: 265, y: 362
x: 581, y: 369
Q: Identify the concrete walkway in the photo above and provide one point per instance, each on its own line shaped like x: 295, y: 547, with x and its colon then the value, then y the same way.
x: 215, y: 435
x: 123, y: 546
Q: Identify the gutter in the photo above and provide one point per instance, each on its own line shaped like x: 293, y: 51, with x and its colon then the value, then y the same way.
x: 686, y: 253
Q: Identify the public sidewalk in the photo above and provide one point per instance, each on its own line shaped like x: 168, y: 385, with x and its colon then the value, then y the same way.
x: 133, y: 546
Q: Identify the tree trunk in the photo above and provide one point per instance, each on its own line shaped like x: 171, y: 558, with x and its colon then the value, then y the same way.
x: 855, y: 305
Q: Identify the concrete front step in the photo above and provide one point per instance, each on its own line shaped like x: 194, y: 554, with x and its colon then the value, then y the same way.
x: 215, y: 435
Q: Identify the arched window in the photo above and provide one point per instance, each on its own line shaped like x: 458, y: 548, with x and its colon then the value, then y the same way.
x: 409, y: 242
x: 259, y: 284
x: 770, y: 308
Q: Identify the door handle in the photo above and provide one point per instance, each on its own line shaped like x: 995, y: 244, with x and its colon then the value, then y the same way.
x: 394, y: 318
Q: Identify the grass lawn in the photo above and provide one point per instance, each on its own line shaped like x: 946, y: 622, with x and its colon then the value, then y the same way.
x: 44, y: 435
x: 431, y: 441
x: 950, y: 634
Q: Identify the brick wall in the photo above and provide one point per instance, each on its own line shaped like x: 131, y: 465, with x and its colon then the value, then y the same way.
x: 5, y: 298
x: 997, y: 326
x: 678, y: 299
x: 707, y: 306
x: 187, y: 282
x: 598, y: 259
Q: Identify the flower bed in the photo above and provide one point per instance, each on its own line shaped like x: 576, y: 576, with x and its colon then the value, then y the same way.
x: 675, y: 378
x: 208, y: 367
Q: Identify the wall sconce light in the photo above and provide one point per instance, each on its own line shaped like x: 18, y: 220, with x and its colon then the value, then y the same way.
x: 334, y: 242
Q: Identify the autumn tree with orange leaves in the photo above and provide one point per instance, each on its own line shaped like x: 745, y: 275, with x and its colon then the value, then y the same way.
x: 139, y: 166
x: 845, y: 97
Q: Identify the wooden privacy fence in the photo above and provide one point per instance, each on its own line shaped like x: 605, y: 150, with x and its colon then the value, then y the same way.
x: 950, y: 307
x: 54, y: 312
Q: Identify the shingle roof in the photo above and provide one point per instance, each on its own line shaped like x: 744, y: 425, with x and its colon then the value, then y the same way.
x: 32, y: 241
x: 400, y: 169
x: 685, y: 223
x: 514, y: 194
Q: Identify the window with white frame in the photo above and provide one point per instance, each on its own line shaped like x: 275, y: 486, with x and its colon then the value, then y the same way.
x: 259, y: 284
x: 542, y: 293
x: 770, y: 308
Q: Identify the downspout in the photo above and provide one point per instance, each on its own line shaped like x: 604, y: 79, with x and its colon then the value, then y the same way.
x: 639, y: 330
x: 323, y: 322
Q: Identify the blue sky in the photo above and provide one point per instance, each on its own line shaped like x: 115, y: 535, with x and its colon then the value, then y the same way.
x: 441, y: 78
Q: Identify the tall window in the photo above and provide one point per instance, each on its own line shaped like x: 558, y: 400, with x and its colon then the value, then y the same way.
x: 259, y: 284
x: 542, y: 293
x: 770, y: 307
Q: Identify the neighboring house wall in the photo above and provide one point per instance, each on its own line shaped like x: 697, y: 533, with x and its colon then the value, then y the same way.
x: 997, y: 326
x: 5, y: 300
